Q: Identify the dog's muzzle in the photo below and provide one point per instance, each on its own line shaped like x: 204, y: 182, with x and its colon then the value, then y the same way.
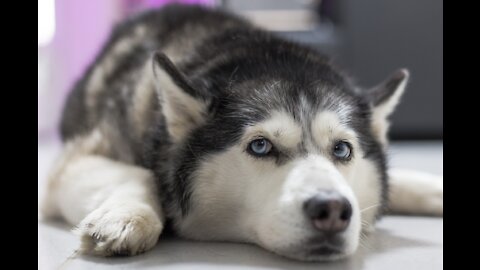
x: 329, y: 213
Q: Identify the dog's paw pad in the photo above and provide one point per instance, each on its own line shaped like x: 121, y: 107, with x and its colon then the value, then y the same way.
x: 119, y: 232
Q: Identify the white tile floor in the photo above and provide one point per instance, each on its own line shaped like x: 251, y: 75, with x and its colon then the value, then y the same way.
x: 399, y: 242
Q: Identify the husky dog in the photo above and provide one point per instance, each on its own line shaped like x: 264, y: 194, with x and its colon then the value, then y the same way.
x: 197, y: 120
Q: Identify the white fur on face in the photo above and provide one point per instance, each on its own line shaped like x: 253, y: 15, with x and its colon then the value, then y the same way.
x: 360, y: 173
x: 364, y: 179
x: 242, y: 198
x: 283, y: 226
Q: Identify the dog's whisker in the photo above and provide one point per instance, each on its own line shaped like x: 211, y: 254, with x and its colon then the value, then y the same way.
x: 369, y: 207
x: 364, y: 222
x: 364, y: 240
x: 72, y: 256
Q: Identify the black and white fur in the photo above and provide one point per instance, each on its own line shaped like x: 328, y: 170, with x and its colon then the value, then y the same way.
x: 156, y: 132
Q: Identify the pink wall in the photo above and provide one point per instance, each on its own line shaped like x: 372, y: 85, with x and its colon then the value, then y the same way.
x: 81, y: 29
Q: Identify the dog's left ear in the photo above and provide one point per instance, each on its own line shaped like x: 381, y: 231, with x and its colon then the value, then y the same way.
x: 183, y: 107
x: 384, y: 98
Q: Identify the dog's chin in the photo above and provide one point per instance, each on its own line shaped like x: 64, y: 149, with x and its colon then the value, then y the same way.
x: 316, y: 254
x: 314, y: 250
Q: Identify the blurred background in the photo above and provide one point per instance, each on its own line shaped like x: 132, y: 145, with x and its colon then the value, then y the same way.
x: 370, y: 39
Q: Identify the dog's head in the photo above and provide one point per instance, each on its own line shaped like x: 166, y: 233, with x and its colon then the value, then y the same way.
x: 285, y: 154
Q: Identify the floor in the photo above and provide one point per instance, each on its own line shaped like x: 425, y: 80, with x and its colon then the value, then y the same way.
x: 400, y: 242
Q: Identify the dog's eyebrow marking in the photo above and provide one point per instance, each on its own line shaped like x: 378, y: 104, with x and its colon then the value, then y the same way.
x: 305, y: 113
x: 328, y: 126
x: 280, y: 127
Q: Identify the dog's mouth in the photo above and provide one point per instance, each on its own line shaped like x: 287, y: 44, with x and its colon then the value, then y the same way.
x: 325, y: 250
x: 316, y: 253
x: 319, y: 249
x: 325, y: 247
x: 326, y: 244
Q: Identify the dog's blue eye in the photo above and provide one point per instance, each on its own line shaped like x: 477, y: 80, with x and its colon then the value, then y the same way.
x: 260, y: 147
x: 342, y: 150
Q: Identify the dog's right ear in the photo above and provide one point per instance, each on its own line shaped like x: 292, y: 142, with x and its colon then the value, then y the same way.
x: 184, y: 108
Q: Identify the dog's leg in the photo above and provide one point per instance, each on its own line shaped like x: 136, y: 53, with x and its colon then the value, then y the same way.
x: 114, y: 205
x: 414, y: 192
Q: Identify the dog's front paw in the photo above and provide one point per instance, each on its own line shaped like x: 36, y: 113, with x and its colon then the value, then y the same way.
x: 122, y: 230
x: 432, y: 202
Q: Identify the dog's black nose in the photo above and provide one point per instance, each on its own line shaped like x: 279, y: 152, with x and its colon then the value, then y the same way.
x: 329, y: 211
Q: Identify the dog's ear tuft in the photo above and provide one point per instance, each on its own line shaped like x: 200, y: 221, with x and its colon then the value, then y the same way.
x: 384, y: 98
x: 183, y: 106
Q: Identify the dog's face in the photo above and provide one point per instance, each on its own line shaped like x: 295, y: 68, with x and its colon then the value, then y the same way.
x: 296, y: 167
